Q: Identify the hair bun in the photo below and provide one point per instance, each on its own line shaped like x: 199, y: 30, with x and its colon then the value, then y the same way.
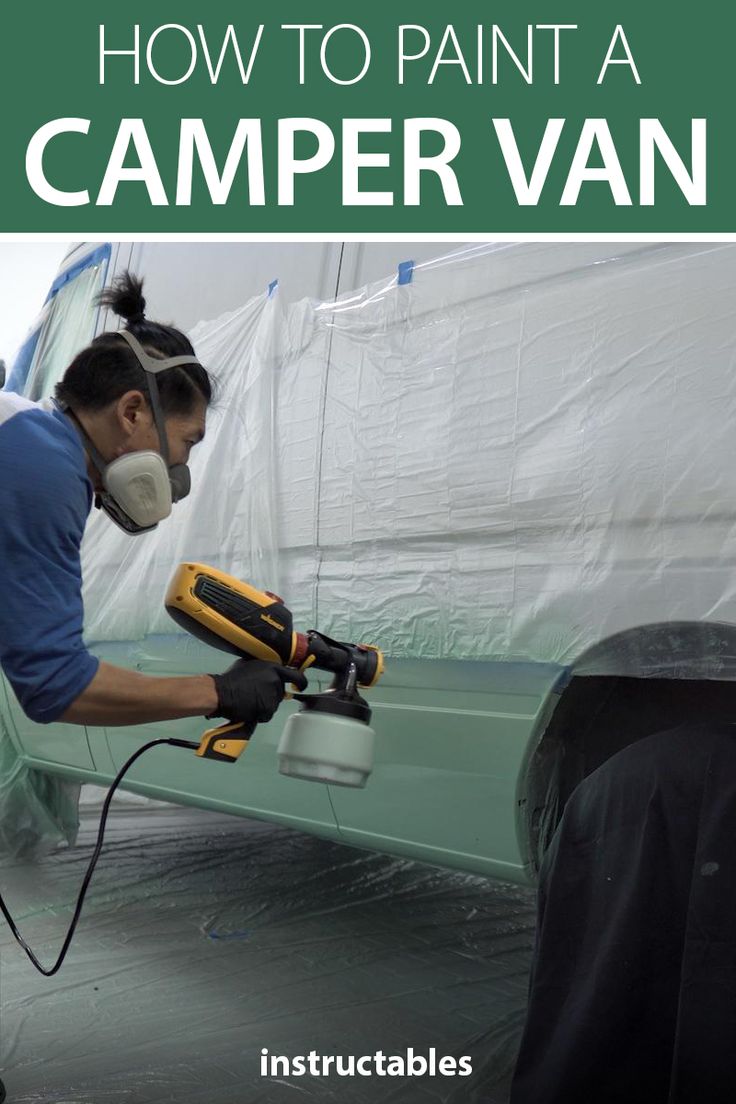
x: 125, y: 298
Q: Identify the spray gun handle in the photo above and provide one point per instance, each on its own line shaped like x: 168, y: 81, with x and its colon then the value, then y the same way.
x: 226, y: 743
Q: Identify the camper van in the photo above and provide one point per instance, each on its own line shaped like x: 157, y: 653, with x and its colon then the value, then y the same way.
x: 510, y: 467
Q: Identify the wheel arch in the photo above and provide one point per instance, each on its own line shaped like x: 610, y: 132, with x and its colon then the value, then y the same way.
x: 622, y: 689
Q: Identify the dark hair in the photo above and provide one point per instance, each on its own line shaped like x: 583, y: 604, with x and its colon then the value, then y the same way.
x: 108, y: 367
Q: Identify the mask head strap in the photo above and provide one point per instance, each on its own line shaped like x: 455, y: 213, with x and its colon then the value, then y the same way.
x: 91, y: 448
x: 152, y: 366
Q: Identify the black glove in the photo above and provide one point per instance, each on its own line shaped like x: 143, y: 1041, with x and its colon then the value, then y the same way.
x: 252, y: 690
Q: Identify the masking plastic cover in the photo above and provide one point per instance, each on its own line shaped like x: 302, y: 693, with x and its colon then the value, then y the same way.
x: 38, y: 811
x: 71, y: 327
x: 522, y: 454
x: 206, y: 939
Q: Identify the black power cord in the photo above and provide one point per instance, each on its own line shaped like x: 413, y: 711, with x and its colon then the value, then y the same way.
x: 90, y: 868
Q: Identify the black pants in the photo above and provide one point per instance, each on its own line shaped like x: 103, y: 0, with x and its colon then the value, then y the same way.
x: 633, y: 987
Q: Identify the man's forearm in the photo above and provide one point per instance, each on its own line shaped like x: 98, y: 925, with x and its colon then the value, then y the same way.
x: 116, y: 696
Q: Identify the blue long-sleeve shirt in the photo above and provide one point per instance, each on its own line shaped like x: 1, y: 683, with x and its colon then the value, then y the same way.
x: 45, y: 499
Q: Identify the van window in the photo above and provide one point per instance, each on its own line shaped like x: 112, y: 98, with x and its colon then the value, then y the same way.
x: 69, y: 324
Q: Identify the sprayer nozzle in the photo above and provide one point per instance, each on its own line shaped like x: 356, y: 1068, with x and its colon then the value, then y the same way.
x: 337, y: 657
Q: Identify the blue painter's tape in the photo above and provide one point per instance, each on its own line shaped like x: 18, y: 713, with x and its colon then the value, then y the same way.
x: 272, y: 287
x: 406, y: 272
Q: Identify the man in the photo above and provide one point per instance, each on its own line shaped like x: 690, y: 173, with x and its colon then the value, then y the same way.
x: 128, y: 411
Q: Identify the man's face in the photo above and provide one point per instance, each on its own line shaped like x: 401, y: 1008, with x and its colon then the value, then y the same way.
x: 128, y: 425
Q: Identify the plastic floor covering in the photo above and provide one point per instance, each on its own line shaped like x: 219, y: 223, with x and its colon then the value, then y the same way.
x: 207, y: 938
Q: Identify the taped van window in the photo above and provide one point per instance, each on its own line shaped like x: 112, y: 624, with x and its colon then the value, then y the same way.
x: 69, y: 325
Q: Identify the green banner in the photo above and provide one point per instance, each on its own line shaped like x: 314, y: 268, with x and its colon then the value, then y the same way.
x: 323, y: 117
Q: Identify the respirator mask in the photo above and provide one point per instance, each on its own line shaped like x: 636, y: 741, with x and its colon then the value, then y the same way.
x: 140, y: 487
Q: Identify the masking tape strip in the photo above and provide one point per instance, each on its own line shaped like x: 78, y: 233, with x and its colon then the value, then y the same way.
x: 406, y: 272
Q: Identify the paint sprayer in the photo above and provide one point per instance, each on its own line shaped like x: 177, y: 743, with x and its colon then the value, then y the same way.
x: 330, y: 738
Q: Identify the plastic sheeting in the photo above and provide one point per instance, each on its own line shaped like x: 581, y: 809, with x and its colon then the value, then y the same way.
x: 521, y: 454
x: 206, y: 939
x: 37, y: 811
